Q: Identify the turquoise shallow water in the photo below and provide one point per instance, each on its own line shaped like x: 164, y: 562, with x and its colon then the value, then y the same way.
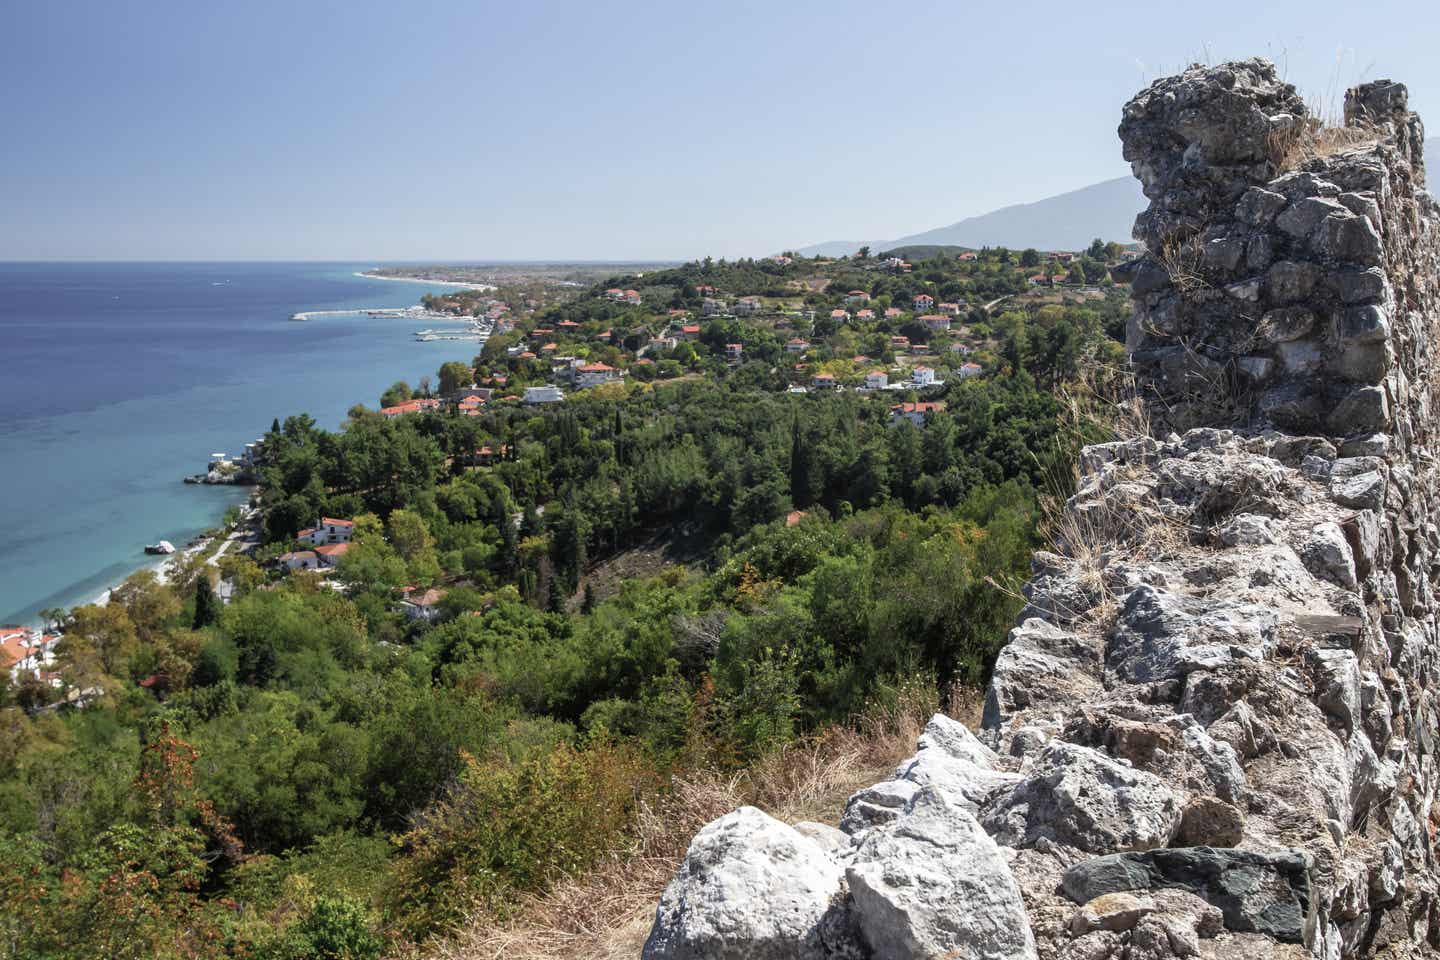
x: 119, y: 379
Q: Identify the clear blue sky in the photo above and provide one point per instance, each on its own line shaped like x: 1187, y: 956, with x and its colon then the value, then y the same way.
x: 477, y: 130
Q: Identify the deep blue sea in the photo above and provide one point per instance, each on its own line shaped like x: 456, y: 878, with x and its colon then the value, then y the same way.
x: 116, y: 380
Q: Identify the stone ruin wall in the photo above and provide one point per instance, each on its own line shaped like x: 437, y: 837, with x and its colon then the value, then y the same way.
x: 1213, y: 731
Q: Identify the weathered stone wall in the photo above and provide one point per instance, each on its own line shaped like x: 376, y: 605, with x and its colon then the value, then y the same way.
x: 1213, y: 731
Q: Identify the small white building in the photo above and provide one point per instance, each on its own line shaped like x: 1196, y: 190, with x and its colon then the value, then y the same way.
x: 922, y: 377
x: 970, y: 370
x: 796, y: 345
x: 747, y: 306
x: 914, y: 413
x: 840, y: 316
x: 422, y: 604
x: 331, y: 553
x: 935, y: 322
x: 877, y: 380
x: 549, y: 393
x: 299, y: 560
x: 734, y: 352
x: 593, y: 374
x: 923, y: 302
x: 712, y: 307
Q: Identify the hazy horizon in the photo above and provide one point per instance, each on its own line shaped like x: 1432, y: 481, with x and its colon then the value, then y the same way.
x: 569, y: 133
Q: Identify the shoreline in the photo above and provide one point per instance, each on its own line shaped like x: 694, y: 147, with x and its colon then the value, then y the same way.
x: 437, y: 283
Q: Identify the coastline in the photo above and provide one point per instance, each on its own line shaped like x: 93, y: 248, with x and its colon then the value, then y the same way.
x: 433, y: 283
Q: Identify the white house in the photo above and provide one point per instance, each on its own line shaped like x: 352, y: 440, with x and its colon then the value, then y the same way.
x: 422, y: 604
x: 734, y: 352
x: 299, y: 560
x: 329, y: 530
x: 594, y: 374
x: 544, y: 394
x: 712, y: 307
x: 857, y: 296
x: 923, y: 302
x: 824, y: 381
x: 935, y: 322
x: 913, y: 413
x: 26, y: 652
x: 796, y: 345
x: 877, y: 380
x: 840, y: 316
x: 747, y: 306
x: 922, y: 377
x: 971, y: 370
x: 331, y: 553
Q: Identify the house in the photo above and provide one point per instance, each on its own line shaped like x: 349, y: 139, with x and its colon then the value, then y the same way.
x: 898, y: 343
x: 877, y: 380
x: 935, y: 322
x: 915, y: 413
x: 422, y: 604
x: 796, y: 345
x: 712, y: 307
x: 470, y: 405
x: 331, y: 553
x: 690, y: 331
x: 781, y: 260
x: 916, y: 348
x: 969, y: 255
x: 27, y: 653
x: 1038, y: 280
x: 923, y: 303
x: 865, y: 315
x: 824, y: 381
x: 661, y: 343
x: 857, y: 296
x: 747, y: 306
x: 793, y: 518
x: 949, y: 309
x: 631, y: 297
x: 544, y: 394
x: 328, y: 530
x: 594, y: 374
x: 734, y: 352
x: 964, y: 349
x: 705, y: 290
x: 409, y: 406
x: 486, y: 456
x: 922, y: 377
x: 299, y: 560
x: 893, y: 313
x: 839, y: 316
x: 970, y: 370
x: 614, y: 293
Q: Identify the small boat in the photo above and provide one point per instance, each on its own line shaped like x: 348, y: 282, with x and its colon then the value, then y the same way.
x: 163, y: 548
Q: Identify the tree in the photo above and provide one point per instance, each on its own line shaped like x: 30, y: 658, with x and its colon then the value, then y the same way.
x: 863, y: 253
x: 1097, y: 249
x: 207, y: 604
x: 1030, y: 257
x: 1076, y: 273
x: 455, y: 376
x: 97, y: 642
x: 398, y: 393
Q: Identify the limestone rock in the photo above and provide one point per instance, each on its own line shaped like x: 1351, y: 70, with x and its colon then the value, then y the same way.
x: 933, y: 884
x: 751, y: 888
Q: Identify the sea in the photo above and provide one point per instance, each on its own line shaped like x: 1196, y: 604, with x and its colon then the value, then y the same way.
x: 119, y: 379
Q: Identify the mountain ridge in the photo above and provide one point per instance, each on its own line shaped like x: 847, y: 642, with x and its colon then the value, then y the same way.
x: 1064, y: 221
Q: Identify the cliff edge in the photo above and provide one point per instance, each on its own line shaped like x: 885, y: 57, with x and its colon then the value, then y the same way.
x: 1212, y: 732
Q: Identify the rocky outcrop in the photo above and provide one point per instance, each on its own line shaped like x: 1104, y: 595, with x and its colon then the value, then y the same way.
x: 1213, y: 731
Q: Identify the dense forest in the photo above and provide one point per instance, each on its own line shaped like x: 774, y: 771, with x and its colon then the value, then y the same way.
x: 635, y: 582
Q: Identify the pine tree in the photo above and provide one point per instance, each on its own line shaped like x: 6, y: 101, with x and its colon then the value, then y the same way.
x: 588, y: 604
x: 207, y: 604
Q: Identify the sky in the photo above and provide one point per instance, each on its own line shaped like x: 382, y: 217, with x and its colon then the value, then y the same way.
x: 454, y: 131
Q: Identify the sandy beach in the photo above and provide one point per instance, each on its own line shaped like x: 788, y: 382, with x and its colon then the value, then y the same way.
x: 437, y: 283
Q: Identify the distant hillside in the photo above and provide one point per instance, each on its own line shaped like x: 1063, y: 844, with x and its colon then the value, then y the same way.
x: 1068, y: 221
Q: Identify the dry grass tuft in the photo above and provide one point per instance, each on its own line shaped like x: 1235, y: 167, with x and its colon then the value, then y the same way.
x: 1182, y: 260
x: 606, y: 913
x: 1315, y: 139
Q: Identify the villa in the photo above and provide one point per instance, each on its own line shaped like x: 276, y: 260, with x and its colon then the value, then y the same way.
x: 915, y: 413
x: 328, y: 530
x: 331, y: 553
x: 734, y: 351
x: 543, y: 394
x: 935, y: 322
x: 877, y: 380
x: 923, y: 303
x: 796, y: 345
x: 594, y: 374
x: 747, y: 306
x: 410, y: 406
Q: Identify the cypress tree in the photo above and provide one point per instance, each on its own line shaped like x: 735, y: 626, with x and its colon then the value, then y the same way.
x: 207, y: 604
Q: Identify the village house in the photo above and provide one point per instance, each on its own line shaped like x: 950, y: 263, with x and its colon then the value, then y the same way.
x: 594, y: 374
x: 712, y: 307
x: 839, y: 316
x: 969, y: 255
x: 865, y: 316
x: 898, y: 343
x: 422, y: 604
x: 1037, y: 280
x: 824, y: 381
x: 857, y: 296
x: 27, y: 653
x: 328, y: 530
x: 893, y: 313
x: 923, y: 303
x: 796, y: 345
x: 917, y: 348
x: 331, y: 553
x: 631, y: 297
x: 734, y: 352
x: 409, y: 406
x: 915, y: 413
x: 661, y: 343
x: 614, y: 293
x: 690, y: 331
x: 949, y: 309
x: 970, y: 370
x: 543, y: 394
x: 299, y: 560
x: 747, y: 306
x: 486, y: 456
x: 922, y: 377
x: 935, y: 322
x: 781, y: 260
x: 877, y: 380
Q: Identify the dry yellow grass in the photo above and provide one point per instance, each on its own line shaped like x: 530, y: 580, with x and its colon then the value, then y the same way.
x: 606, y: 913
